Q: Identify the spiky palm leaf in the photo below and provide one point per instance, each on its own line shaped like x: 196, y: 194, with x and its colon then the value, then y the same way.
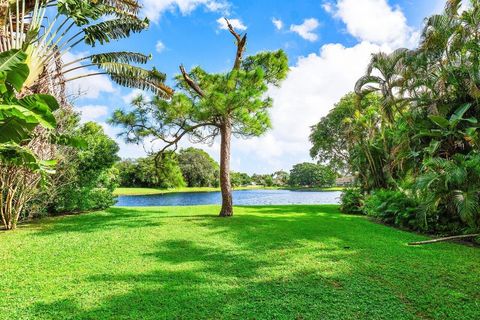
x: 59, y: 36
x: 107, y: 31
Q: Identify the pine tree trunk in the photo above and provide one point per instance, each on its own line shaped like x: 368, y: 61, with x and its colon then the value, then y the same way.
x: 225, y: 185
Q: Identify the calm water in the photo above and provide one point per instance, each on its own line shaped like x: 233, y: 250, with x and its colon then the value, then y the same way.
x: 241, y: 197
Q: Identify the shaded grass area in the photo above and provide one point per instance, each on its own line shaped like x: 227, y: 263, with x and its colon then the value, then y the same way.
x: 276, y: 262
x: 152, y: 191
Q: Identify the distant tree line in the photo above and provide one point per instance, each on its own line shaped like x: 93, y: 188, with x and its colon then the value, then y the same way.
x: 193, y: 167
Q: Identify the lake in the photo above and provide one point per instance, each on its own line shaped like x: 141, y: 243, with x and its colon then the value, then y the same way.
x: 240, y: 197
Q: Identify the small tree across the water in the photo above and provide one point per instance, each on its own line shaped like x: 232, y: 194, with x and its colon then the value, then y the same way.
x: 211, y: 105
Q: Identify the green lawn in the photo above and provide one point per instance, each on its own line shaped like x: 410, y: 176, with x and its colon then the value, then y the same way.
x: 278, y: 262
x: 151, y: 191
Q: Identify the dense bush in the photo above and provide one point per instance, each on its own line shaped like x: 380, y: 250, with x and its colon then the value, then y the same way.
x: 351, y: 201
x: 393, y: 207
x: 263, y: 180
x: 89, y: 177
x: 149, y: 172
x: 450, y: 193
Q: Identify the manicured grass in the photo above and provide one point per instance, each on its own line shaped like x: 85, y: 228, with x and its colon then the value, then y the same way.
x: 277, y: 262
x: 150, y: 191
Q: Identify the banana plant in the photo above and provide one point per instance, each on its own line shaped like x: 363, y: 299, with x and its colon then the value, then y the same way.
x: 20, y: 116
x: 48, y: 29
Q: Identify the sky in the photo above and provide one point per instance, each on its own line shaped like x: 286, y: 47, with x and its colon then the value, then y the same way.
x: 328, y: 42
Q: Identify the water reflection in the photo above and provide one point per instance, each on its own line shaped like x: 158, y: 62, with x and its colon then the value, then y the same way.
x: 240, y: 197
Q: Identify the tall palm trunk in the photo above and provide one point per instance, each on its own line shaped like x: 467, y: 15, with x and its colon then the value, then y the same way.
x: 225, y: 185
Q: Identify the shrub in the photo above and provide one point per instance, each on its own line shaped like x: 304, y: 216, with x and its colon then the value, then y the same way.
x: 86, y: 178
x: 393, y: 207
x: 351, y: 201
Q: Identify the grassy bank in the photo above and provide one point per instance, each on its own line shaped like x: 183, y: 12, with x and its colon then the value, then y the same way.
x: 277, y: 262
x: 152, y: 191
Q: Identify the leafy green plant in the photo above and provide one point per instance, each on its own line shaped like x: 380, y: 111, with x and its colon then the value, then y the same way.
x: 351, y: 201
x: 450, y: 191
x: 392, y: 207
x: 19, y: 117
x: 414, y: 127
x: 91, y: 172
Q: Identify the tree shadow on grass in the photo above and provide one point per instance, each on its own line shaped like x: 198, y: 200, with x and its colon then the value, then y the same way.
x: 270, y: 263
x: 206, y: 282
x: 113, y: 218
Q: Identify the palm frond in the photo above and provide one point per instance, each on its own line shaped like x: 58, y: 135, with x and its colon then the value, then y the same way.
x: 106, y: 31
x: 119, y: 57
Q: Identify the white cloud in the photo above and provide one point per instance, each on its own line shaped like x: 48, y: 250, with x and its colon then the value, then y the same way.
x: 328, y: 7
x: 277, y: 23
x: 92, y: 112
x: 88, y: 87
x: 159, y: 46
x: 377, y: 22
x: 236, y: 23
x: 305, y: 30
x: 153, y: 9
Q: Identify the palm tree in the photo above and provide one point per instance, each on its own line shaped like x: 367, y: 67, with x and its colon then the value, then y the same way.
x: 384, y: 75
x: 47, y: 29
x: 452, y: 186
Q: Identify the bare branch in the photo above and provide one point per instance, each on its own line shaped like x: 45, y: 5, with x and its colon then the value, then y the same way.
x: 191, y: 83
x: 241, y: 42
x: 232, y: 30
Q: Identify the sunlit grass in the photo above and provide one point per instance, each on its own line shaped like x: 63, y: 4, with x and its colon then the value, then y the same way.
x: 277, y: 262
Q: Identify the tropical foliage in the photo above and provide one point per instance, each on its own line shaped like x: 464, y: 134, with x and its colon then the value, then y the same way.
x: 414, y: 131
x: 35, y: 37
x: 47, y: 30
x: 19, y: 118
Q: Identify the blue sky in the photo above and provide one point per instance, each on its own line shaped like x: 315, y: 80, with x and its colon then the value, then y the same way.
x: 328, y: 44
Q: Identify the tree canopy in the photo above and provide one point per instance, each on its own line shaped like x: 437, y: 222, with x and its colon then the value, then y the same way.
x: 311, y: 175
x: 198, y: 168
